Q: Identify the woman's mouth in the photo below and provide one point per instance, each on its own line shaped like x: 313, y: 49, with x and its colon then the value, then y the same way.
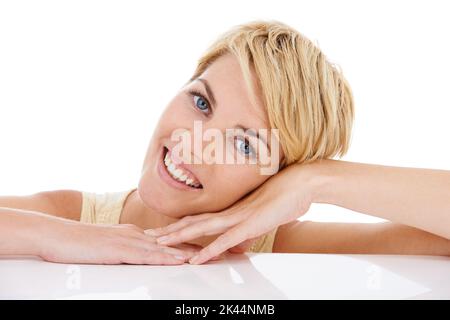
x: 176, y: 175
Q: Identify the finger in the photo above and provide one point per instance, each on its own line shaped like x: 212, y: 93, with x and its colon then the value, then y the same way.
x: 129, y: 226
x: 219, y: 257
x: 156, y: 232
x: 139, y: 241
x: 242, y: 247
x: 187, y: 254
x: 142, y: 256
x: 149, y: 245
x: 188, y: 247
x: 133, y: 231
x: 173, y: 227
x: 161, y: 258
x: 207, y: 227
x: 143, y: 236
x: 227, y: 240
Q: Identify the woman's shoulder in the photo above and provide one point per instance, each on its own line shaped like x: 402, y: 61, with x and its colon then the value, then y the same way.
x: 104, y: 208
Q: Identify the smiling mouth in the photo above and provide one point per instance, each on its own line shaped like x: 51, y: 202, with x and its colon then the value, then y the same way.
x: 178, y: 173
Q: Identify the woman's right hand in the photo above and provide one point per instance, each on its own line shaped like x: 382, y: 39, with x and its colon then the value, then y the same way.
x: 75, y: 242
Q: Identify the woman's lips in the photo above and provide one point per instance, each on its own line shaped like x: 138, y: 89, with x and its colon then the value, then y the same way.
x: 178, y: 163
x: 172, y: 181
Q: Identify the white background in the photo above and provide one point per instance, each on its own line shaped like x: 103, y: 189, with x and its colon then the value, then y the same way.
x: 82, y: 83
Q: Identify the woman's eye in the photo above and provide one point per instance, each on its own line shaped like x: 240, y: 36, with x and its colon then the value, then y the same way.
x: 200, y: 101
x: 244, y: 147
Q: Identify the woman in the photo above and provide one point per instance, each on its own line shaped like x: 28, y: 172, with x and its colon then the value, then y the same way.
x: 263, y: 76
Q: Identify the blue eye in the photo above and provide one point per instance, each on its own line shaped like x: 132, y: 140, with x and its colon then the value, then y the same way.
x: 200, y: 101
x: 244, y: 147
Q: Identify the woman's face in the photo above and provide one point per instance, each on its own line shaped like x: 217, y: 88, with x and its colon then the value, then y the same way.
x: 208, y: 186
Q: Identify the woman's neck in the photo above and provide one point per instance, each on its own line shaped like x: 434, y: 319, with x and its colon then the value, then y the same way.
x: 135, y: 212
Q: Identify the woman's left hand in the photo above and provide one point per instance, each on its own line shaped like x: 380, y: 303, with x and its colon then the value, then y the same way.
x: 281, y: 199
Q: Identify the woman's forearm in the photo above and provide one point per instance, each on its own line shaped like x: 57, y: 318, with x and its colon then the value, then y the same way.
x: 416, y: 197
x: 63, y: 240
x: 19, y: 231
x: 358, y: 238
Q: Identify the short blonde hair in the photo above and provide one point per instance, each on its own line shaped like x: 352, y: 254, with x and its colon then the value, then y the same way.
x: 306, y: 97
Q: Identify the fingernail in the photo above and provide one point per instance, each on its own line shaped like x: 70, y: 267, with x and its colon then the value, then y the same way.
x: 180, y: 257
x: 163, y: 240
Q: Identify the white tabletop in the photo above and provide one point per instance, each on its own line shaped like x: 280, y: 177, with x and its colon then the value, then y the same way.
x: 248, y: 276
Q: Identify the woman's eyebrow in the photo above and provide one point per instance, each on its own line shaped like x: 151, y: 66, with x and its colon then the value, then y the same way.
x: 208, y: 91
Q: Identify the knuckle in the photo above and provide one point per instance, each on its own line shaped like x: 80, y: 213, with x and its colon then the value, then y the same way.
x: 160, y: 230
x: 197, y: 230
x: 217, y: 220
x: 211, y: 224
x: 224, y: 221
x: 175, y: 234
x: 179, y: 235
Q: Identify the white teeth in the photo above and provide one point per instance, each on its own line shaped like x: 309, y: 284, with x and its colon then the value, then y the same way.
x: 178, y: 173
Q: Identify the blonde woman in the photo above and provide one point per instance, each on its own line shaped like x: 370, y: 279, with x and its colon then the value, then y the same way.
x: 259, y: 75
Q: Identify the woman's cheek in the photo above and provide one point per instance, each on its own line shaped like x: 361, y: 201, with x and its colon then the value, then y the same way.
x: 176, y: 117
x: 239, y: 180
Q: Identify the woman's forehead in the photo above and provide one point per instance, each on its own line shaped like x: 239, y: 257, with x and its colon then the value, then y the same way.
x: 226, y: 81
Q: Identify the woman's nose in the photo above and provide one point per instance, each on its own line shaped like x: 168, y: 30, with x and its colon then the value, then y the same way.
x: 199, y: 144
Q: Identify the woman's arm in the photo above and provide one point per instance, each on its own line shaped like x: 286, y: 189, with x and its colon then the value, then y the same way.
x: 419, y: 198
x: 17, y: 235
x: 61, y: 203
x: 357, y: 238
x: 23, y: 217
x: 416, y: 197
x: 56, y: 239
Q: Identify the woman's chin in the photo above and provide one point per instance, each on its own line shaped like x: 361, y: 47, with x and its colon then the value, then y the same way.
x: 159, y: 200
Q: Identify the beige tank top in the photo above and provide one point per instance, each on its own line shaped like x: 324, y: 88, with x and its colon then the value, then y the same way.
x: 105, y: 208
